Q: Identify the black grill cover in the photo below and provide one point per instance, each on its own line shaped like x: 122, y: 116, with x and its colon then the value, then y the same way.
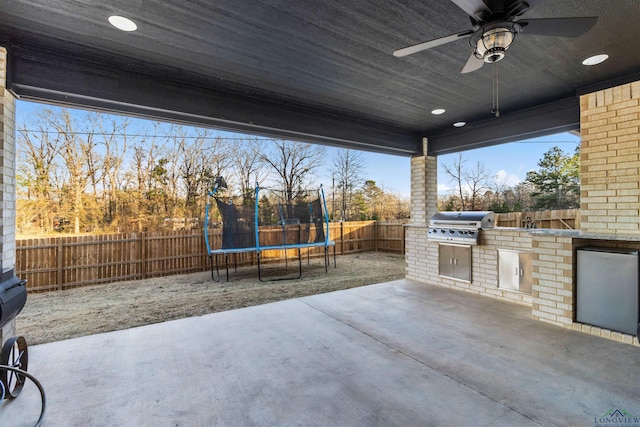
x: 13, y: 296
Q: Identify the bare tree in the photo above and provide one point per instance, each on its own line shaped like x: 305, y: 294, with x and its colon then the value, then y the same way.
x: 200, y: 160
x: 456, y: 172
x: 38, y: 150
x: 476, y: 181
x: 347, y: 170
x: 146, y: 198
x: 470, y: 183
x: 247, y: 167
x: 293, y: 162
x: 114, y: 142
x: 75, y: 149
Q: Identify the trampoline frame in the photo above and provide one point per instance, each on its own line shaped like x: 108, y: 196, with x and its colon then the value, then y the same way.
x: 258, y: 249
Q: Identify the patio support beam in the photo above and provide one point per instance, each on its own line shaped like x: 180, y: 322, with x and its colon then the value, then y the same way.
x: 59, y: 77
x: 562, y: 115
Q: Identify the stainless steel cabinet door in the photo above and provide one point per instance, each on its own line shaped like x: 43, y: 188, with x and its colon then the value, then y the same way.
x: 526, y: 271
x: 508, y: 270
x: 462, y: 267
x: 515, y: 270
x: 454, y: 261
x: 445, y: 260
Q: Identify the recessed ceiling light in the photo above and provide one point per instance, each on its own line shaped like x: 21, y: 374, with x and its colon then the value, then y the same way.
x: 459, y: 124
x: 122, y: 23
x: 438, y: 111
x: 596, y: 59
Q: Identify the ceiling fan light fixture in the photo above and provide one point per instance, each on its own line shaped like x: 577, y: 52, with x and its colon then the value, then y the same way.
x: 122, y: 23
x: 492, y: 44
x: 595, y: 59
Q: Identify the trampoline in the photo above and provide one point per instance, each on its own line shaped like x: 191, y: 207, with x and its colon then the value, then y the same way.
x: 267, y: 222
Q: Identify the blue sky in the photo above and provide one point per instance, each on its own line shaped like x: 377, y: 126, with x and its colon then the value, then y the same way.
x: 508, y: 162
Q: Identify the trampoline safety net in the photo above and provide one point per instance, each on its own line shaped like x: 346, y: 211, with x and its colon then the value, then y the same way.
x: 291, y: 224
x: 272, y: 224
x: 238, y: 225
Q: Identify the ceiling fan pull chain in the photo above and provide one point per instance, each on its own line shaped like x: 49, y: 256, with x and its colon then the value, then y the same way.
x: 495, y: 110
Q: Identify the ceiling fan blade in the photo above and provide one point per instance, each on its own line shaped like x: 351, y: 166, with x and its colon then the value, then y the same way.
x: 559, y: 27
x: 472, y: 64
x: 409, y: 50
x: 477, y: 9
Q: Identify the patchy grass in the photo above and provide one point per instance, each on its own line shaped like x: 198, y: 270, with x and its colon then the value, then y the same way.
x: 55, y: 316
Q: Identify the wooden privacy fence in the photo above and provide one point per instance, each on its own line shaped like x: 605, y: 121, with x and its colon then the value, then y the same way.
x: 568, y: 219
x: 56, y: 263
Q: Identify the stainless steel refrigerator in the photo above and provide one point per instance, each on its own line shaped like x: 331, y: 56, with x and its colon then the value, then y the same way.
x: 607, y: 289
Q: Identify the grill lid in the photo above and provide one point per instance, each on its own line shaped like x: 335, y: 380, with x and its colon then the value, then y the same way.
x: 467, y: 219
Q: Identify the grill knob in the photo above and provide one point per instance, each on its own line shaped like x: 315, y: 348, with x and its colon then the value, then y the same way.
x: 451, y: 231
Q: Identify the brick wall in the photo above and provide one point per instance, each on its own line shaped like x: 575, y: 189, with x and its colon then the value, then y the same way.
x: 610, y: 160
x: 552, y: 291
x: 7, y: 179
x: 417, y: 257
x: 484, y: 263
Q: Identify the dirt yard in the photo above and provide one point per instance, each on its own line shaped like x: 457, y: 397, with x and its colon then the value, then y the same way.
x: 60, y: 315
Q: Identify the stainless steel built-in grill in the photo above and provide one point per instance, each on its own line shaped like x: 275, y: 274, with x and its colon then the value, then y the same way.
x: 459, y: 227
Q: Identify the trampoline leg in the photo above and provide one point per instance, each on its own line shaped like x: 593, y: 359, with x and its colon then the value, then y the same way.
x: 299, y: 264
x: 259, y: 267
x: 334, y: 257
x: 226, y: 264
x: 217, y: 269
x: 235, y: 262
x: 326, y: 259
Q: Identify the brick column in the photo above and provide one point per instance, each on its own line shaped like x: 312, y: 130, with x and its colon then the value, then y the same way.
x: 7, y: 180
x: 610, y: 160
x: 424, y: 187
x: 424, y: 204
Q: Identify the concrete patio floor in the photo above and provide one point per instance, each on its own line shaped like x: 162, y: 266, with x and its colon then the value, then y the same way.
x: 394, y: 354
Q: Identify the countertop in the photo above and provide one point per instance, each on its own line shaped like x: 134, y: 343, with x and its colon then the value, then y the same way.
x: 577, y: 234
x: 574, y: 234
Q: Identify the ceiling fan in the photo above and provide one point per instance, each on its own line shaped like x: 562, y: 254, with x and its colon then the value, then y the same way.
x: 494, y: 27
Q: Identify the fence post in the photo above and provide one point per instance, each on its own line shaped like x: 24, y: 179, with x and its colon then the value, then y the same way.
x: 341, y: 237
x: 60, y: 262
x: 375, y: 235
x: 143, y: 255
